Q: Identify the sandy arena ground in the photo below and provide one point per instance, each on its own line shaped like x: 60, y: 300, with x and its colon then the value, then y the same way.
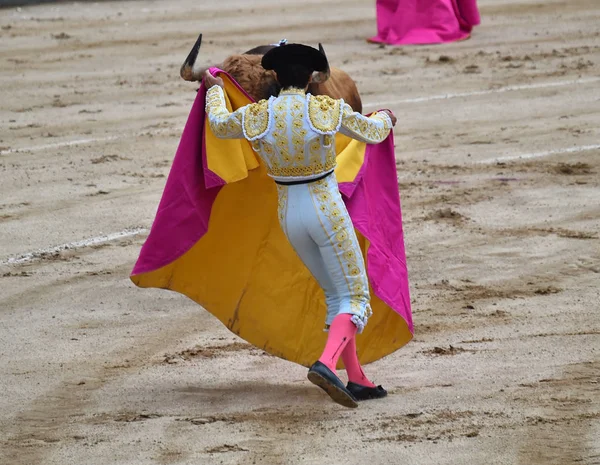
x: 499, y: 172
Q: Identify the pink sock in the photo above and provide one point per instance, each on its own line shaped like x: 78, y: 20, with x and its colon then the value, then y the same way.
x: 341, y: 332
x: 353, y: 368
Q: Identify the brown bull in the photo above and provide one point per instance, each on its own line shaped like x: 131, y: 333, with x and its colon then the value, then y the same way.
x: 261, y: 84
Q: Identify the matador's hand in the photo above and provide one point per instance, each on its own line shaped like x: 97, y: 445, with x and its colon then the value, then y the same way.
x: 210, y: 80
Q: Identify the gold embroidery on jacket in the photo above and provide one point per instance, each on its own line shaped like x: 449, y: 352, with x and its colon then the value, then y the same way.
x: 324, y: 113
x: 281, y: 155
x: 314, y: 152
x: 256, y: 119
x: 300, y: 171
x: 298, y: 132
x: 288, y: 155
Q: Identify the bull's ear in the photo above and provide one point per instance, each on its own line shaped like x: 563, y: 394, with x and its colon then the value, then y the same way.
x: 321, y: 76
x: 189, y: 70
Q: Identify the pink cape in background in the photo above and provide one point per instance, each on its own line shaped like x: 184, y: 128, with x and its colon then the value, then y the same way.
x: 412, y: 22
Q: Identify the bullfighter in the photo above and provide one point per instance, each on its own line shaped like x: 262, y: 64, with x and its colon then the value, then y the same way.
x: 294, y: 135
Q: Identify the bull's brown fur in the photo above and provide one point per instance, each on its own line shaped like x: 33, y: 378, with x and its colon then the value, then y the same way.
x: 251, y: 76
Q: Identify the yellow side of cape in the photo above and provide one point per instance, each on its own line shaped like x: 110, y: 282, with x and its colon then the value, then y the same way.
x: 268, y: 297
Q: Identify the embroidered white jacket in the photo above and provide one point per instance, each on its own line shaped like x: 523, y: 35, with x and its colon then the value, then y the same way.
x: 294, y: 133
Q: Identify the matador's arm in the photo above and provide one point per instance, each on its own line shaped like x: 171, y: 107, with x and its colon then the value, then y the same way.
x: 224, y: 124
x: 372, y: 129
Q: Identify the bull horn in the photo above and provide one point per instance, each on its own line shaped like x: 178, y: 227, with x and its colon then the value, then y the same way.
x: 189, y: 70
x: 322, y: 76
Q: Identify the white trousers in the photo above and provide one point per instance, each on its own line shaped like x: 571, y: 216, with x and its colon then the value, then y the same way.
x: 315, y: 220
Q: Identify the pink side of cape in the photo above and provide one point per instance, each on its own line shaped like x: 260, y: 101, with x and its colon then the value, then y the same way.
x: 372, y: 201
x: 184, y: 209
x: 406, y: 22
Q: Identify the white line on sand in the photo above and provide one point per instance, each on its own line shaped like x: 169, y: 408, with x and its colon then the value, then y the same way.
x: 91, y: 140
x: 546, y: 153
x: 72, y: 245
x: 499, y: 90
x: 37, y: 148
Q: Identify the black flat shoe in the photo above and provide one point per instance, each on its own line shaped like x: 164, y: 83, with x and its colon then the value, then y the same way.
x: 326, y: 379
x: 360, y: 392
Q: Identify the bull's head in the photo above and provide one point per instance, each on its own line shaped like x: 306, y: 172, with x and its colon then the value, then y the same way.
x: 260, y: 84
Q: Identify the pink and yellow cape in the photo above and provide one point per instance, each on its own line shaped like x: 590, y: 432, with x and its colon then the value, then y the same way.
x: 216, y: 239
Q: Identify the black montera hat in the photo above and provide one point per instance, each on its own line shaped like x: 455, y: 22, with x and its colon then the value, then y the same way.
x: 289, y: 54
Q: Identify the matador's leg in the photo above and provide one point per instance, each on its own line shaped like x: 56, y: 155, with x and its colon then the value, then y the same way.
x: 292, y: 201
x: 332, y: 229
x: 296, y: 217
